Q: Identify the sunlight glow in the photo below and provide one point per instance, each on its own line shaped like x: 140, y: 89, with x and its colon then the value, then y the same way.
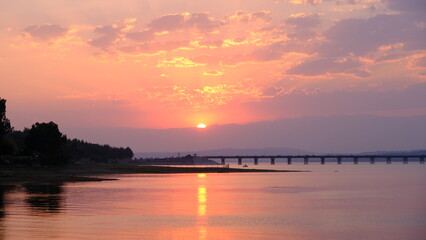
x: 201, y: 125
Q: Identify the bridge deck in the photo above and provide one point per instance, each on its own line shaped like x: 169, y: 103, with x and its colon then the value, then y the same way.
x: 306, y: 158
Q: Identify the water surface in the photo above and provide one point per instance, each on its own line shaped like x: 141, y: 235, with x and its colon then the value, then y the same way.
x: 333, y: 202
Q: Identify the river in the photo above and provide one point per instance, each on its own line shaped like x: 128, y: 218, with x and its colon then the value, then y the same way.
x: 331, y: 202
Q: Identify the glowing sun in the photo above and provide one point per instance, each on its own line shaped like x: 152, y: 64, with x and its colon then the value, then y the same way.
x: 201, y: 125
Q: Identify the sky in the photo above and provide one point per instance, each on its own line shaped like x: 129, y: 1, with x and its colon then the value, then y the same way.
x: 162, y: 65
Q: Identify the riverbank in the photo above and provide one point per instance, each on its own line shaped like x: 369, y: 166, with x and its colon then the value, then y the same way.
x: 94, y: 172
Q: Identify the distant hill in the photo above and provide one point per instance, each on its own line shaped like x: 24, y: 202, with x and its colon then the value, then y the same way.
x: 226, y: 151
x: 186, y: 160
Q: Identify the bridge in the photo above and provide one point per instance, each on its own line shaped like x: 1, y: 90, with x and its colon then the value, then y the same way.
x: 322, y: 158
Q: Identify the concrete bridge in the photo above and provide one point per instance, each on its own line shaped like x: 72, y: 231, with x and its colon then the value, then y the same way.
x: 322, y: 158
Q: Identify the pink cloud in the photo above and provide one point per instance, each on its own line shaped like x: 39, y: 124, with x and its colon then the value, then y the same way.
x: 420, y: 62
x: 168, y: 23
x: 407, y: 5
x: 329, y: 65
x: 173, y: 22
x: 142, y: 36
x: 303, y: 21
x: 45, y: 32
x: 361, y: 36
x: 154, y: 47
x: 109, y: 36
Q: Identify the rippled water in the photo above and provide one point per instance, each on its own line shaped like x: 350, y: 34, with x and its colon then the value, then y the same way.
x: 332, y: 202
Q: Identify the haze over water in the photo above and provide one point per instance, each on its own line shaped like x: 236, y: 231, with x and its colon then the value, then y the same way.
x: 333, y: 202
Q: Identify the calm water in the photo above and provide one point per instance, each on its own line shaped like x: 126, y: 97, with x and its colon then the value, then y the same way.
x: 333, y: 202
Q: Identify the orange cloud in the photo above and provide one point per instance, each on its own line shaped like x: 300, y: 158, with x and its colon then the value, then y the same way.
x: 213, y: 73
x: 179, y: 62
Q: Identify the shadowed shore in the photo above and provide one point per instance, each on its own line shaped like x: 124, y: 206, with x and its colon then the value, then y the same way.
x: 94, y: 172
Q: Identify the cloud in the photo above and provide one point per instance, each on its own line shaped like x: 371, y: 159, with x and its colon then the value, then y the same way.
x: 276, y: 50
x: 420, y: 62
x: 329, y: 65
x: 316, y: 2
x: 246, y: 17
x: 203, y: 22
x: 199, y: 29
x: 302, y: 35
x: 45, y: 32
x: 361, y: 36
x: 407, y: 5
x: 306, y: 2
x: 196, y: 99
x: 109, y: 35
x: 168, y: 23
x: 303, y: 20
x: 153, y: 47
x: 222, y: 59
x: 271, y: 52
x: 141, y: 36
x: 179, y: 62
x: 174, y: 22
x: 213, y: 73
x: 295, y: 103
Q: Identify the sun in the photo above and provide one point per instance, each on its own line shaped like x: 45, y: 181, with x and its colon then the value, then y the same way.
x: 201, y: 125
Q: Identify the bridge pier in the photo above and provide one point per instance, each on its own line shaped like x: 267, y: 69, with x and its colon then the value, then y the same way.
x: 422, y: 160
x: 372, y: 160
x: 339, y: 160
x: 272, y: 161
x: 388, y: 160
x: 355, y: 160
x: 306, y: 160
x: 405, y: 160
x: 240, y: 161
x: 323, y: 160
x: 222, y: 161
x: 256, y: 161
x: 289, y: 160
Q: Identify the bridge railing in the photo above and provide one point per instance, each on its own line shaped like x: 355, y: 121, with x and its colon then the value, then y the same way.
x: 322, y: 158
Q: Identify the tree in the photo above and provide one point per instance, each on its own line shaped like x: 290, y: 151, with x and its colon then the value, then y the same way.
x: 5, y: 127
x: 7, y: 146
x: 18, y: 137
x: 46, y: 142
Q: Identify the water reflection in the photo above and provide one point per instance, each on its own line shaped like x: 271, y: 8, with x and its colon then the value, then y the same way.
x: 3, y: 191
x: 354, y: 203
x: 202, y: 207
x: 45, y: 198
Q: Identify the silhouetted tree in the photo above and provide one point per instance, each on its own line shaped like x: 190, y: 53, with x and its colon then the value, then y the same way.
x: 78, y: 149
x: 18, y: 137
x: 47, y: 143
x: 5, y: 127
x: 7, y: 146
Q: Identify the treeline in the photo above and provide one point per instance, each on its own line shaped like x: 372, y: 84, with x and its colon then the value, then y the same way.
x: 78, y: 149
x: 45, y: 144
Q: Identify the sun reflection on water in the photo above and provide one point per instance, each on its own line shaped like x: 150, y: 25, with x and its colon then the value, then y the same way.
x: 202, y: 208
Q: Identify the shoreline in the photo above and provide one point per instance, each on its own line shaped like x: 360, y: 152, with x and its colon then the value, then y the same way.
x: 91, y: 172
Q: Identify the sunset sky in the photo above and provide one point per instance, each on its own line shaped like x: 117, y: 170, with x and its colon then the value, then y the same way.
x: 161, y: 64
